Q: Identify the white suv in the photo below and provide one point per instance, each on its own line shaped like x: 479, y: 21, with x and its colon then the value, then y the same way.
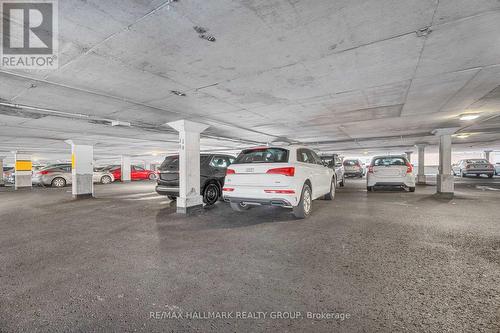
x: 390, y: 171
x: 290, y: 177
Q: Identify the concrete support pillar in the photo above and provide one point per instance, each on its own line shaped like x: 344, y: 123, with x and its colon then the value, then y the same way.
x: 487, y: 155
x: 445, y: 179
x: 23, y: 171
x: 82, y: 169
x: 2, y: 182
x: 189, y: 198
x: 421, y: 164
x: 408, y: 155
x: 125, y: 169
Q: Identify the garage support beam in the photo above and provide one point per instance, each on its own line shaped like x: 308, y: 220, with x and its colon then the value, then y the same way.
x: 408, y: 155
x: 487, y: 155
x: 421, y: 180
x: 125, y: 168
x: 2, y: 182
x: 22, y: 168
x: 445, y: 181
x: 82, y: 169
x: 190, y: 198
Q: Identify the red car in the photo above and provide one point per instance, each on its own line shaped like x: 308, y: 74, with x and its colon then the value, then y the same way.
x: 136, y: 173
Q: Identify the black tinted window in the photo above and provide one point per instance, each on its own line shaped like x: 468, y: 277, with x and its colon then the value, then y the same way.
x: 386, y: 161
x: 262, y: 155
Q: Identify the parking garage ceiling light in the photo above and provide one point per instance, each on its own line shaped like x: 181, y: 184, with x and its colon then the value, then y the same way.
x: 462, y: 136
x: 469, y: 116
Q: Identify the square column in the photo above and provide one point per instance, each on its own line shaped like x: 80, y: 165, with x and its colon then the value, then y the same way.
x: 82, y: 170
x: 421, y: 164
x: 190, y: 198
x: 125, y: 169
x: 2, y: 182
x: 23, y: 171
x: 445, y: 180
x: 408, y: 155
x: 487, y: 155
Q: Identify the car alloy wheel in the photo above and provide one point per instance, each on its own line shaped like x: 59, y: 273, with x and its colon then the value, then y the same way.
x: 58, y: 182
x: 211, y: 194
x: 307, y: 201
x: 106, y: 180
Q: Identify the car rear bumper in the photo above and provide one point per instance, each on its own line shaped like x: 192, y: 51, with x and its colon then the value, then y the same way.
x: 353, y: 173
x: 279, y: 202
x: 393, y: 184
x: 407, y: 181
x: 167, y: 190
x: 478, y: 172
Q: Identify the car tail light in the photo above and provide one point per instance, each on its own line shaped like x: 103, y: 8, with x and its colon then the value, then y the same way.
x: 280, y: 191
x: 409, y: 167
x: 288, y: 171
x: 44, y: 172
x: 228, y: 189
x: 230, y: 172
x: 370, y: 169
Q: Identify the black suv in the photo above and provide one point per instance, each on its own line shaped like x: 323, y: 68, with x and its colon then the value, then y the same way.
x: 212, y: 172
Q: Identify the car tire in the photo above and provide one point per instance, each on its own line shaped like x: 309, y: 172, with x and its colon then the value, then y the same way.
x: 331, y: 194
x: 106, y: 180
x: 342, y: 183
x: 238, y: 206
x: 490, y: 176
x: 412, y: 189
x: 172, y: 198
x: 152, y: 176
x: 462, y: 174
x: 304, y: 208
x: 58, y: 182
x: 369, y: 188
x: 211, y: 194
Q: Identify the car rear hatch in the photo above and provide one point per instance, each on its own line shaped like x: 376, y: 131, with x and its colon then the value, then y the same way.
x: 261, y: 168
x: 169, y: 171
x: 476, y: 165
x: 390, y: 167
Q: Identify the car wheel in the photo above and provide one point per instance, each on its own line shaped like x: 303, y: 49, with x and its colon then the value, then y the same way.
x: 462, y: 174
x: 172, y: 198
x: 58, y: 182
x: 303, y: 209
x: 342, y: 183
x: 369, y: 188
x: 331, y: 194
x: 211, y: 194
x: 490, y: 176
x: 238, y: 206
x: 106, y: 180
x: 152, y: 176
x: 412, y: 189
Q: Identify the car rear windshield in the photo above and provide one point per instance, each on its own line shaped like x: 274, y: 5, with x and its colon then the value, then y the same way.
x: 262, y: 155
x: 172, y: 162
x: 478, y: 161
x: 387, y: 161
x: 350, y: 162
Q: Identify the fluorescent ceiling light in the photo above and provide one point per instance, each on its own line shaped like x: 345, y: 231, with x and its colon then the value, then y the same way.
x: 463, y: 136
x: 469, y: 116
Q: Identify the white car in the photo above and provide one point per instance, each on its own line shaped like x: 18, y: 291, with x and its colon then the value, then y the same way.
x: 290, y: 177
x: 390, y: 171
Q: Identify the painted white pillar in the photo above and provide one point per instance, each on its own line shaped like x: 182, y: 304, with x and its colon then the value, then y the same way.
x: 408, y: 155
x: 445, y: 179
x: 421, y: 164
x: 2, y: 182
x: 487, y: 155
x: 82, y: 169
x: 147, y: 165
x: 23, y: 166
x: 190, y: 198
x: 125, y: 168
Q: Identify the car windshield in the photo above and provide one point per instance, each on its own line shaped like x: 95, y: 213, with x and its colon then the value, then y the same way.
x: 172, y: 162
x: 480, y: 161
x: 262, y: 155
x: 350, y: 162
x: 388, y: 161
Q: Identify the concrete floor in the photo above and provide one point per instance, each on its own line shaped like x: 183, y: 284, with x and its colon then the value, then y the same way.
x: 393, y: 261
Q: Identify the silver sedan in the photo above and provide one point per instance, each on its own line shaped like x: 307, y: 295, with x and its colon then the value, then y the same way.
x: 59, y: 175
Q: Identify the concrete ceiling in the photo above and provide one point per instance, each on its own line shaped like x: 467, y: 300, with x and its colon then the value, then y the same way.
x: 341, y: 75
